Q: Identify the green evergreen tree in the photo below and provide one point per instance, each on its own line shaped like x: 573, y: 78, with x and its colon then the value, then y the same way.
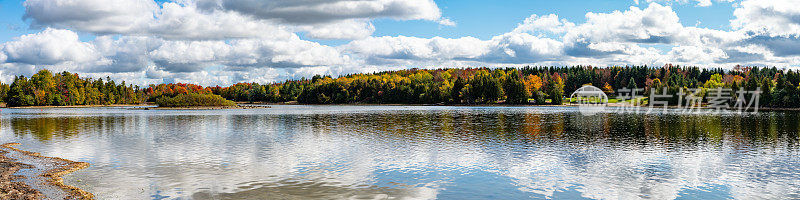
x: 632, y: 84
x: 514, y: 89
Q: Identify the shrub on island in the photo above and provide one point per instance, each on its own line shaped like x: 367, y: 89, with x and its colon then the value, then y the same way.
x: 192, y: 99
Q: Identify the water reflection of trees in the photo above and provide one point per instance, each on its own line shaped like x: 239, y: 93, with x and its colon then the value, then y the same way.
x: 523, y: 126
x: 533, y: 127
x: 524, y: 144
x: 55, y: 128
x: 49, y: 128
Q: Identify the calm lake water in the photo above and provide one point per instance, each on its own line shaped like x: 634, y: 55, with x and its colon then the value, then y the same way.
x: 416, y: 152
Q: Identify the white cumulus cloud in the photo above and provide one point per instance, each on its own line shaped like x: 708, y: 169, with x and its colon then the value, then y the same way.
x: 192, y: 56
x: 99, y: 16
x: 549, y: 23
x: 310, y: 12
x: 698, y: 3
x: 49, y: 47
x: 335, y: 19
x: 770, y: 17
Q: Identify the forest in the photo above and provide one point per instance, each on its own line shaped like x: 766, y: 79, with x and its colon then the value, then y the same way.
x: 527, y: 85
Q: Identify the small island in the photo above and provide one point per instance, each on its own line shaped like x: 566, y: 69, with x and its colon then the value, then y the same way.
x: 194, y: 100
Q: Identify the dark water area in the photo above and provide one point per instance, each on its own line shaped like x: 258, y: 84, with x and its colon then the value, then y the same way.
x: 416, y: 152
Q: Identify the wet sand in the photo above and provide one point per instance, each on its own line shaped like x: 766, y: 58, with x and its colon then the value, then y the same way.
x: 28, y: 175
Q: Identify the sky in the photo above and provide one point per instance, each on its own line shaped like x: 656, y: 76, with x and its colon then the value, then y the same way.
x: 221, y: 42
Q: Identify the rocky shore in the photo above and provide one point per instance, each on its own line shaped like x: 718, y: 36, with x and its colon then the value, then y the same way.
x: 13, y: 185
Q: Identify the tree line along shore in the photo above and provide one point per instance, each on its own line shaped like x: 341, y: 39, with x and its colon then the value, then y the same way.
x: 528, y: 85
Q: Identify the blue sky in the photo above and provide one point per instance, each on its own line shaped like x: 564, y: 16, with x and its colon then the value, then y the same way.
x: 11, y: 23
x: 226, y: 41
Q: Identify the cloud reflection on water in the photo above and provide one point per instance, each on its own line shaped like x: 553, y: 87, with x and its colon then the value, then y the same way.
x: 419, y: 153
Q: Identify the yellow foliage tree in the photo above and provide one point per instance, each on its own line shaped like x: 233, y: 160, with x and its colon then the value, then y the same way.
x: 532, y: 83
x: 608, y: 89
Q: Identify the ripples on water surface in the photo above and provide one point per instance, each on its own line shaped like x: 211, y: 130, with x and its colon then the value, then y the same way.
x: 372, y: 152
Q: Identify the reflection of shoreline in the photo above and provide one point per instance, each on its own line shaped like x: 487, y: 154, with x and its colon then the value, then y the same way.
x: 199, y: 108
x: 79, y: 106
x: 53, y: 176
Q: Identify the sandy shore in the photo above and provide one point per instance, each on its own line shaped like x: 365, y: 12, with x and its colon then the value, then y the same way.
x: 20, y: 190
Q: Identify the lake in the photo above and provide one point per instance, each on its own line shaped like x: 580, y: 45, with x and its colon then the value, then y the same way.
x: 416, y: 152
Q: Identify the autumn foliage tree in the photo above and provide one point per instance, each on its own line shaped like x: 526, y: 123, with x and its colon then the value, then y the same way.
x: 778, y: 87
x: 65, y: 89
x: 556, y: 87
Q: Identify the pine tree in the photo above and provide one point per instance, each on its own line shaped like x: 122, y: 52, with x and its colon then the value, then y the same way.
x: 514, y: 89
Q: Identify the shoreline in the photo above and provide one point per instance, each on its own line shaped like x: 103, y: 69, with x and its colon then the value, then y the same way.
x: 609, y: 105
x: 247, y: 105
x: 192, y: 108
x: 79, y: 106
x: 14, y: 190
x: 52, y: 177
